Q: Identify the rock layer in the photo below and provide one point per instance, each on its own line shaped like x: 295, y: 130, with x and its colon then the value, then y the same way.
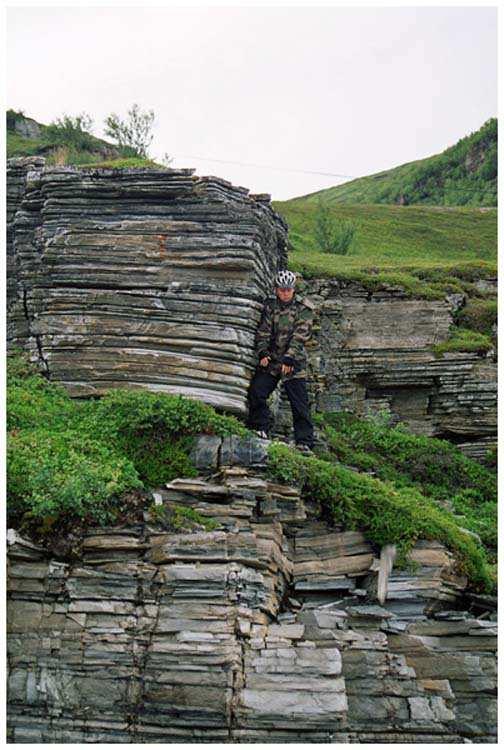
x: 156, y: 279
x: 373, y: 351
x: 265, y: 629
x: 140, y: 278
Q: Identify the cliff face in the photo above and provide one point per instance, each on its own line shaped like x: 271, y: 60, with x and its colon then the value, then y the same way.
x: 156, y: 279
x: 373, y: 351
x: 139, y: 278
x: 264, y: 630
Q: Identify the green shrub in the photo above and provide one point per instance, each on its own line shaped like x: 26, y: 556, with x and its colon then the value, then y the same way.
x: 479, y: 315
x: 435, y: 468
x: 438, y: 467
x: 65, y: 473
x: 67, y: 456
x: 71, y: 131
x: 153, y: 429
x: 384, y: 513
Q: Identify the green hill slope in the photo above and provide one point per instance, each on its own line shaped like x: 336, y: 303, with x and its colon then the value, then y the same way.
x: 428, y: 251
x: 463, y: 175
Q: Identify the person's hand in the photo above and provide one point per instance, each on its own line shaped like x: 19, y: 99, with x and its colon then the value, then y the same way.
x: 287, y: 369
x: 264, y: 362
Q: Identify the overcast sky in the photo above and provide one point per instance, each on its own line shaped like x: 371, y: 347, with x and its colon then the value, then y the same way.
x: 348, y: 91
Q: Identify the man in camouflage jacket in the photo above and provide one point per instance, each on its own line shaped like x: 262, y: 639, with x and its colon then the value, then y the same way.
x: 285, y: 327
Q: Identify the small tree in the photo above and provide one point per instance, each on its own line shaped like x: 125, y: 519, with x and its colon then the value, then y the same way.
x: 332, y: 235
x: 134, y: 132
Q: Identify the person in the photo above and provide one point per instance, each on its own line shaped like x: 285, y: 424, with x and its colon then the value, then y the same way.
x: 284, y: 329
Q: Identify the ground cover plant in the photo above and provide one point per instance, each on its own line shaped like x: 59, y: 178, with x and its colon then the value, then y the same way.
x: 73, y: 459
x: 386, y: 512
x: 436, y: 468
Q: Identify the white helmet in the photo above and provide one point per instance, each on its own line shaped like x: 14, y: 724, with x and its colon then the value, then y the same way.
x: 286, y: 280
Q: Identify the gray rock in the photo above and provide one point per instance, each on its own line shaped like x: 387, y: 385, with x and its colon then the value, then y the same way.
x: 249, y: 451
x: 205, y: 452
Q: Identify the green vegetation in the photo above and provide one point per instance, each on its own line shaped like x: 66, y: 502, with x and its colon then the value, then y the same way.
x: 464, y: 340
x: 75, y: 461
x: 436, y: 468
x: 463, y: 175
x: 331, y: 235
x: 133, y: 162
x: 134, y: 132
x: 426, y: 250
x: 391, y: 509
x: 180, y: 518
x: 393, y: 236
x: 479, y: 315
x: 69, y: 459
x: 68, y: 141
x: 71, y: 131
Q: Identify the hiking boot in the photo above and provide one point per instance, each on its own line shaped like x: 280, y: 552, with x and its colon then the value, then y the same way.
x: 303, y: 448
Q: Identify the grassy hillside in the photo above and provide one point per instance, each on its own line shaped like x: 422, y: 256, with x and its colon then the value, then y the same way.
x: 429, y: 251
x: 425, y: 242
x: 463, y: 175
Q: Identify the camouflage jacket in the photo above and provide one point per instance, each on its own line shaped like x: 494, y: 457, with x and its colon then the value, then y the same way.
x: 282, y: 334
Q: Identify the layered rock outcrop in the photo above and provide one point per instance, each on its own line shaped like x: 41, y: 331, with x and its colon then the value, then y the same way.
x: 373, y: 351
x: 156, y: 279
x: 265, y: 629
x: 140, y: 278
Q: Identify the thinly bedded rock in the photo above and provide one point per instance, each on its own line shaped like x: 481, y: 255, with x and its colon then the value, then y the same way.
x: 156, y: 279
x: 373, y: 351
x: 195, y: 637
x: 140, y: 278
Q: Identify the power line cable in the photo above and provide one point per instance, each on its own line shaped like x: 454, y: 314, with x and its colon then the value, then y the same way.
x: 265, y: 166
x: 488, y: 191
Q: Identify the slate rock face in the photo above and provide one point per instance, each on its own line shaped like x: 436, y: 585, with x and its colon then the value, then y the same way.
x: 140, y: 278
x: 265, y: 629
x: 373, y: 351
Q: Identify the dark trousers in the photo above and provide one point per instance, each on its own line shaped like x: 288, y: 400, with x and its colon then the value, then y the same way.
x: 262, y: 385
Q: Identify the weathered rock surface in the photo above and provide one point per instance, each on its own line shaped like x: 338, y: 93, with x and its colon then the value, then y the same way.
x: 265, y: 629
x: 140, y: 278
x: 372, y: 351
x: 156, y: 279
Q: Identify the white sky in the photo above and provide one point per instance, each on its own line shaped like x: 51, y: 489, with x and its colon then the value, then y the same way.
x: 349, y: 91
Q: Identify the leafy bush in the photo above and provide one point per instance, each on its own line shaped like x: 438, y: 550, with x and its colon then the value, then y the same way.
x: 331, y: 234
x: 134, y: 132
x: 479, y: 315
x: 154, y: 429
x: 71, y: 131
x: 384, y: 513
x: 64, y: 472
x: 69, y: 457
x: 435, y: 468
